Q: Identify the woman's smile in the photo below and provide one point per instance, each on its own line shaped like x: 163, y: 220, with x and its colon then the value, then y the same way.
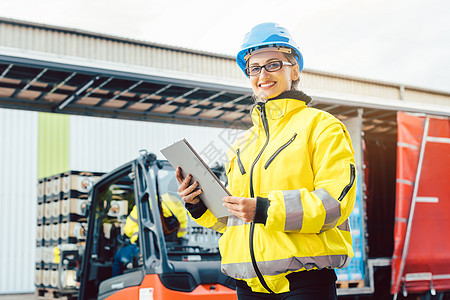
x: 267, y: 85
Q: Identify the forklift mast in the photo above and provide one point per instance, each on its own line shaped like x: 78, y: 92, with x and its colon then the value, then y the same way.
x: 182, y: 264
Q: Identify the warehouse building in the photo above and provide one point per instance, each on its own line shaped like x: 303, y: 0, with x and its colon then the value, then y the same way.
x: 78, y: 100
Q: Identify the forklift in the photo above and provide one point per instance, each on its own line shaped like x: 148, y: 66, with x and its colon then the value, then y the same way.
x: 167, y: 266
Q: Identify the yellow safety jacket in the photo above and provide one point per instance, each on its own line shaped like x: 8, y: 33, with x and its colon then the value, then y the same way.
x: 131, y: 228
x: 301, y: 160
x: 171, y: 205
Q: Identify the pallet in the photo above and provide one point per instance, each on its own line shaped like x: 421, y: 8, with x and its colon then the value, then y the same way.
x: 51, y: 293
x: 350, y: 284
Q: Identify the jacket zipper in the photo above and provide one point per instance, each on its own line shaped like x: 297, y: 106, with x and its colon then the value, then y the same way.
x: 252, y: 195
x: 348, y: 186
x: 278, y: 151
x: 241, y: 166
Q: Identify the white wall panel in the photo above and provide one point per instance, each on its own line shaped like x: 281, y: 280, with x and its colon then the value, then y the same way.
x: 18, y: 178
x: 100, y: 144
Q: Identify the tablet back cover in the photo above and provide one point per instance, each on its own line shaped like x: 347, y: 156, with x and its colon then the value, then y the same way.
x: 181, y: 154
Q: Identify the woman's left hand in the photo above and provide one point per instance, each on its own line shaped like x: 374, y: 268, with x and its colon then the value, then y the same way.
x: 243, y: 208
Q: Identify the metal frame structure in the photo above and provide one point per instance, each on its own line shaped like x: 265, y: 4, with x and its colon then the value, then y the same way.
x: 73, y: 88
x: 412, y: 210
x: 71, y: 85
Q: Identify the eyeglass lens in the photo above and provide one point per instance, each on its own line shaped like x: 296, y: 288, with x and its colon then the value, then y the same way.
x: 270, y: 67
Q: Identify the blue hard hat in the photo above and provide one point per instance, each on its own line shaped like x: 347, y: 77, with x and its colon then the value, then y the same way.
x: 267, y: 35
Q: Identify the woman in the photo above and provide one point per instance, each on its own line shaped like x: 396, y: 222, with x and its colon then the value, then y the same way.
x: 292, y: 177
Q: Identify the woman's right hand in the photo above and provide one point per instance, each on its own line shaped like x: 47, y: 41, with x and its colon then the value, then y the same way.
x: 188, y: 192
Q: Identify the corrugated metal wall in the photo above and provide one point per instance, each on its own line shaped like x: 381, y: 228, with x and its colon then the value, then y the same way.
x: 338, y: 84
x: 100, y: 144
x: 428, y: 97
x: 18, y: 171
x: 118, y: 50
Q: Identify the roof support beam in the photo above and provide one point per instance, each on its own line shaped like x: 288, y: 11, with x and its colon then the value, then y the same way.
x: 127, y: 90
x: 248, y: 107
x: 174, y: 99
x: 230, y: 102
x: 100, y: 103
x: 198, y: 103
x: 62, y: 83
x: 34, y: 79
x: 147, y: 97
x: 98, y: 87
x: 206, y: 99
x: 6, y: 71
x: 77, y: 93
x: 223, y: 104
x: 155, y: 93
x: 57, y: 86
x: 30, y: 83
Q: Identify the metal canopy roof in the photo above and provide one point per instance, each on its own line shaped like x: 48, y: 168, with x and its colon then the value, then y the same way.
x: 76, y: 90
x: 48, y: 86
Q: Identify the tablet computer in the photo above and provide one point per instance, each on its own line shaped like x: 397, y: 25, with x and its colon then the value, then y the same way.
x: 182, y: 154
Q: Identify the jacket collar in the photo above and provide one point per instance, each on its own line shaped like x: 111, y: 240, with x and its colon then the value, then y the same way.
x: 277, y: 107
x: 294, y: 94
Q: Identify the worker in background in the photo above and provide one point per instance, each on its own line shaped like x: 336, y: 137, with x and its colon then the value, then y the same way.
x: 173, y: 207
x: 174, y: 226
x: 124, y: 256
x: 131, y: 227
x: 292, y: 177
x: 175, y: 219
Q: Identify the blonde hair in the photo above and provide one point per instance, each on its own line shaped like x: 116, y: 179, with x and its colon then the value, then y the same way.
x: 293, y: 61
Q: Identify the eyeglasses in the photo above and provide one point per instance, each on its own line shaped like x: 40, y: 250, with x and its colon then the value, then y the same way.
x: 270, y: 67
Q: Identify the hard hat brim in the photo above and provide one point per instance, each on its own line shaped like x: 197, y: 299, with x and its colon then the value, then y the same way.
x: 246, y: 53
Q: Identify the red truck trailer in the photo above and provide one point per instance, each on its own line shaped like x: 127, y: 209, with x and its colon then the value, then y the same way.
x: 421, y: 259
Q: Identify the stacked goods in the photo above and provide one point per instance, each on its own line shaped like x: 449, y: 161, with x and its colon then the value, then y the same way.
x: 353, y: 275
x: 61, y: 228
x: 40, y: 233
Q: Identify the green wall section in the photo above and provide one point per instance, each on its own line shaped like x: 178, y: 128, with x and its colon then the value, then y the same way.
x: 53, y: 144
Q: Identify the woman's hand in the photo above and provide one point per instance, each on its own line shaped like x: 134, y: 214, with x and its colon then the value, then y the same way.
x: 243, y: 208
x: 187, y: 191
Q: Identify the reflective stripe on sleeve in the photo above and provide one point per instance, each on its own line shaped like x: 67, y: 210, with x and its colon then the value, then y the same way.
x: 332, y: 209
x: 275, y: 267
x: 345, y: 226
x: 294, y: 210
x: 235, y: 221
x: 133, y: 219
x: 220, y: 224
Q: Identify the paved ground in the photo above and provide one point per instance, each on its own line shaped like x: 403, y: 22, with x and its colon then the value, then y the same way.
x: 17, y: 297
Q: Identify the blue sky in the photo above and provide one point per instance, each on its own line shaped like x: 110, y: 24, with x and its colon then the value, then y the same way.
x: 405, y: 42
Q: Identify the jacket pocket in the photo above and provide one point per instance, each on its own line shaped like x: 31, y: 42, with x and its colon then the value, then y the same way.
x: 239, y: 162
x: 270, y: 160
